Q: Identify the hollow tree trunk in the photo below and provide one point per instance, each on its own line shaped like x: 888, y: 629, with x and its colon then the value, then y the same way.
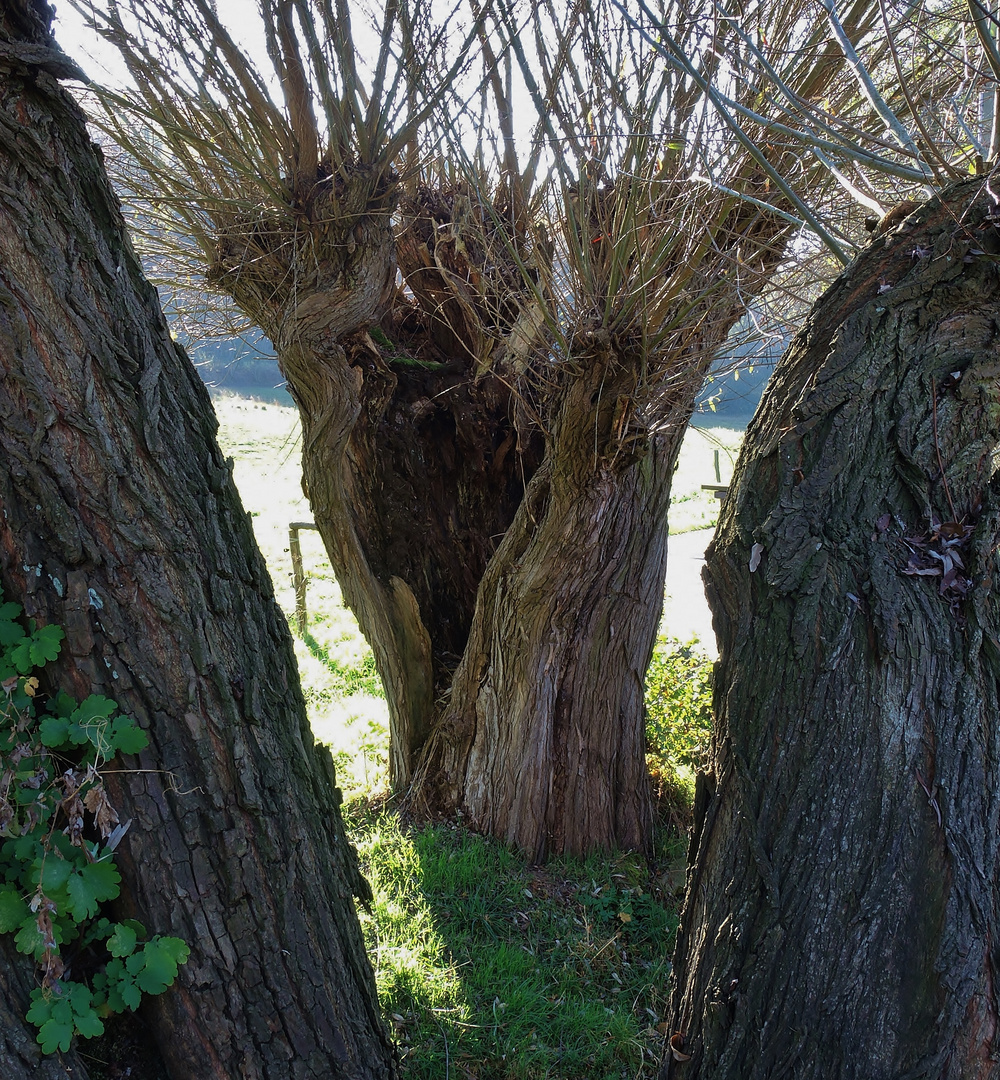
x: 121, y: 523
x: 511, y: 633
x: 841, y: 918
x: 413, y: 467
x: 412, y: 477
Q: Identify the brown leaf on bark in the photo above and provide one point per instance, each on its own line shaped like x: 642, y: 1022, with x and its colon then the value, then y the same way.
x: 96, y: 801
x: 676, y: 1042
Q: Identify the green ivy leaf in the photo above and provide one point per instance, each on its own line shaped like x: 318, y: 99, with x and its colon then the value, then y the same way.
x: 45, y: 644
x: 127, y: 737
x: 162, y: 956
x: 89, y: 1024
x: 13, y: 910
x: 122, y: 941
x: 131, y: 995
x: 89, y: 723
x: 41, y: 1007
x: 10, y: 632
x: 30, y: 942
x: 53, y: 1016
x: 62, y: 704
x: 20, y: 656
x: 85, y: 1019
x: 54, y: 731
x: 24, y: 849
x: 90, y: 886
x: 55, y: 873
x: 93, y: 709
x: 57, y: 1033
x: 115, y: 981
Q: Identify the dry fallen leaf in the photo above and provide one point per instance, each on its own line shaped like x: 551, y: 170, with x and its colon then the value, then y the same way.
x: 96, y: 801
x: 676, y: 1042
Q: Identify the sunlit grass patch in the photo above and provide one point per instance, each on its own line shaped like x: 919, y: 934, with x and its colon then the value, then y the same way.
x: 492, y: 969
x: 690, y: 507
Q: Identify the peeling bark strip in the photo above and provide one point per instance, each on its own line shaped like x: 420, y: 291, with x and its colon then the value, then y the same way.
x: 842, y: 917
x: 120, y: 522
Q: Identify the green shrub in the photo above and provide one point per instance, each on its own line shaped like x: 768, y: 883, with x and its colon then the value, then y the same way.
x: 679, y: 711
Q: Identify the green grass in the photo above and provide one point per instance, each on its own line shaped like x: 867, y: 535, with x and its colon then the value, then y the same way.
x: 487, y: 969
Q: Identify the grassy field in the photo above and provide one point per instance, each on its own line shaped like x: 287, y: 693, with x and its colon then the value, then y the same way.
x: 488, y: 969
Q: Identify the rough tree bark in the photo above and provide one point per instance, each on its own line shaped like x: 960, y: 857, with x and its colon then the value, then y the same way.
x: 430, y: 409
x: 413, y: 469
x: 121, y: 523
x: 542, y: 738
x: 841, y: 918
x: 542, y: 742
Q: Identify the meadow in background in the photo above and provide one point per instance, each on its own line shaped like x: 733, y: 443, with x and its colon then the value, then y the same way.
x: 487, y: 969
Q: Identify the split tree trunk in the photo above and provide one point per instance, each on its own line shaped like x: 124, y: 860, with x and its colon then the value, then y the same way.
x: 511, y: 612
x: 413, y: 468
x: 121, y: 523
x: 841, y: 920
x: 543, y: 740
x: 413, y: 478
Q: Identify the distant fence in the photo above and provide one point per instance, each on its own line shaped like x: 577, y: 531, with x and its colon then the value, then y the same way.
x: 298, y: 576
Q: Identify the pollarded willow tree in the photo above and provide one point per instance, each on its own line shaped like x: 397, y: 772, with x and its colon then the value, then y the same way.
x: 496, y: 263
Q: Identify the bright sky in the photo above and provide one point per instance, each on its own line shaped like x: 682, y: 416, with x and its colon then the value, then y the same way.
x: 102, y: 62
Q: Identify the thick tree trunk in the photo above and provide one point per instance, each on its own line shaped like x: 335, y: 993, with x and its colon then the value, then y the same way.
x: 543, y: 740
x: 412, y: 486
x: 841, y: 918
x: 425, y: 414
x: 121, y: 523
x: 412, y: 465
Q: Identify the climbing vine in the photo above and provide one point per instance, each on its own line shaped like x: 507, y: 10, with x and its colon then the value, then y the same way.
x: 58, y: 834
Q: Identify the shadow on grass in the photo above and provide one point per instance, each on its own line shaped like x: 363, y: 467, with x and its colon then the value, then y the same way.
x: 488, y: 970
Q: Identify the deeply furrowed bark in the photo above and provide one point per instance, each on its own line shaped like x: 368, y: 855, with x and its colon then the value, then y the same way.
x: 511, y: 633
x: 841, y: 918
x: 121, y: 523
